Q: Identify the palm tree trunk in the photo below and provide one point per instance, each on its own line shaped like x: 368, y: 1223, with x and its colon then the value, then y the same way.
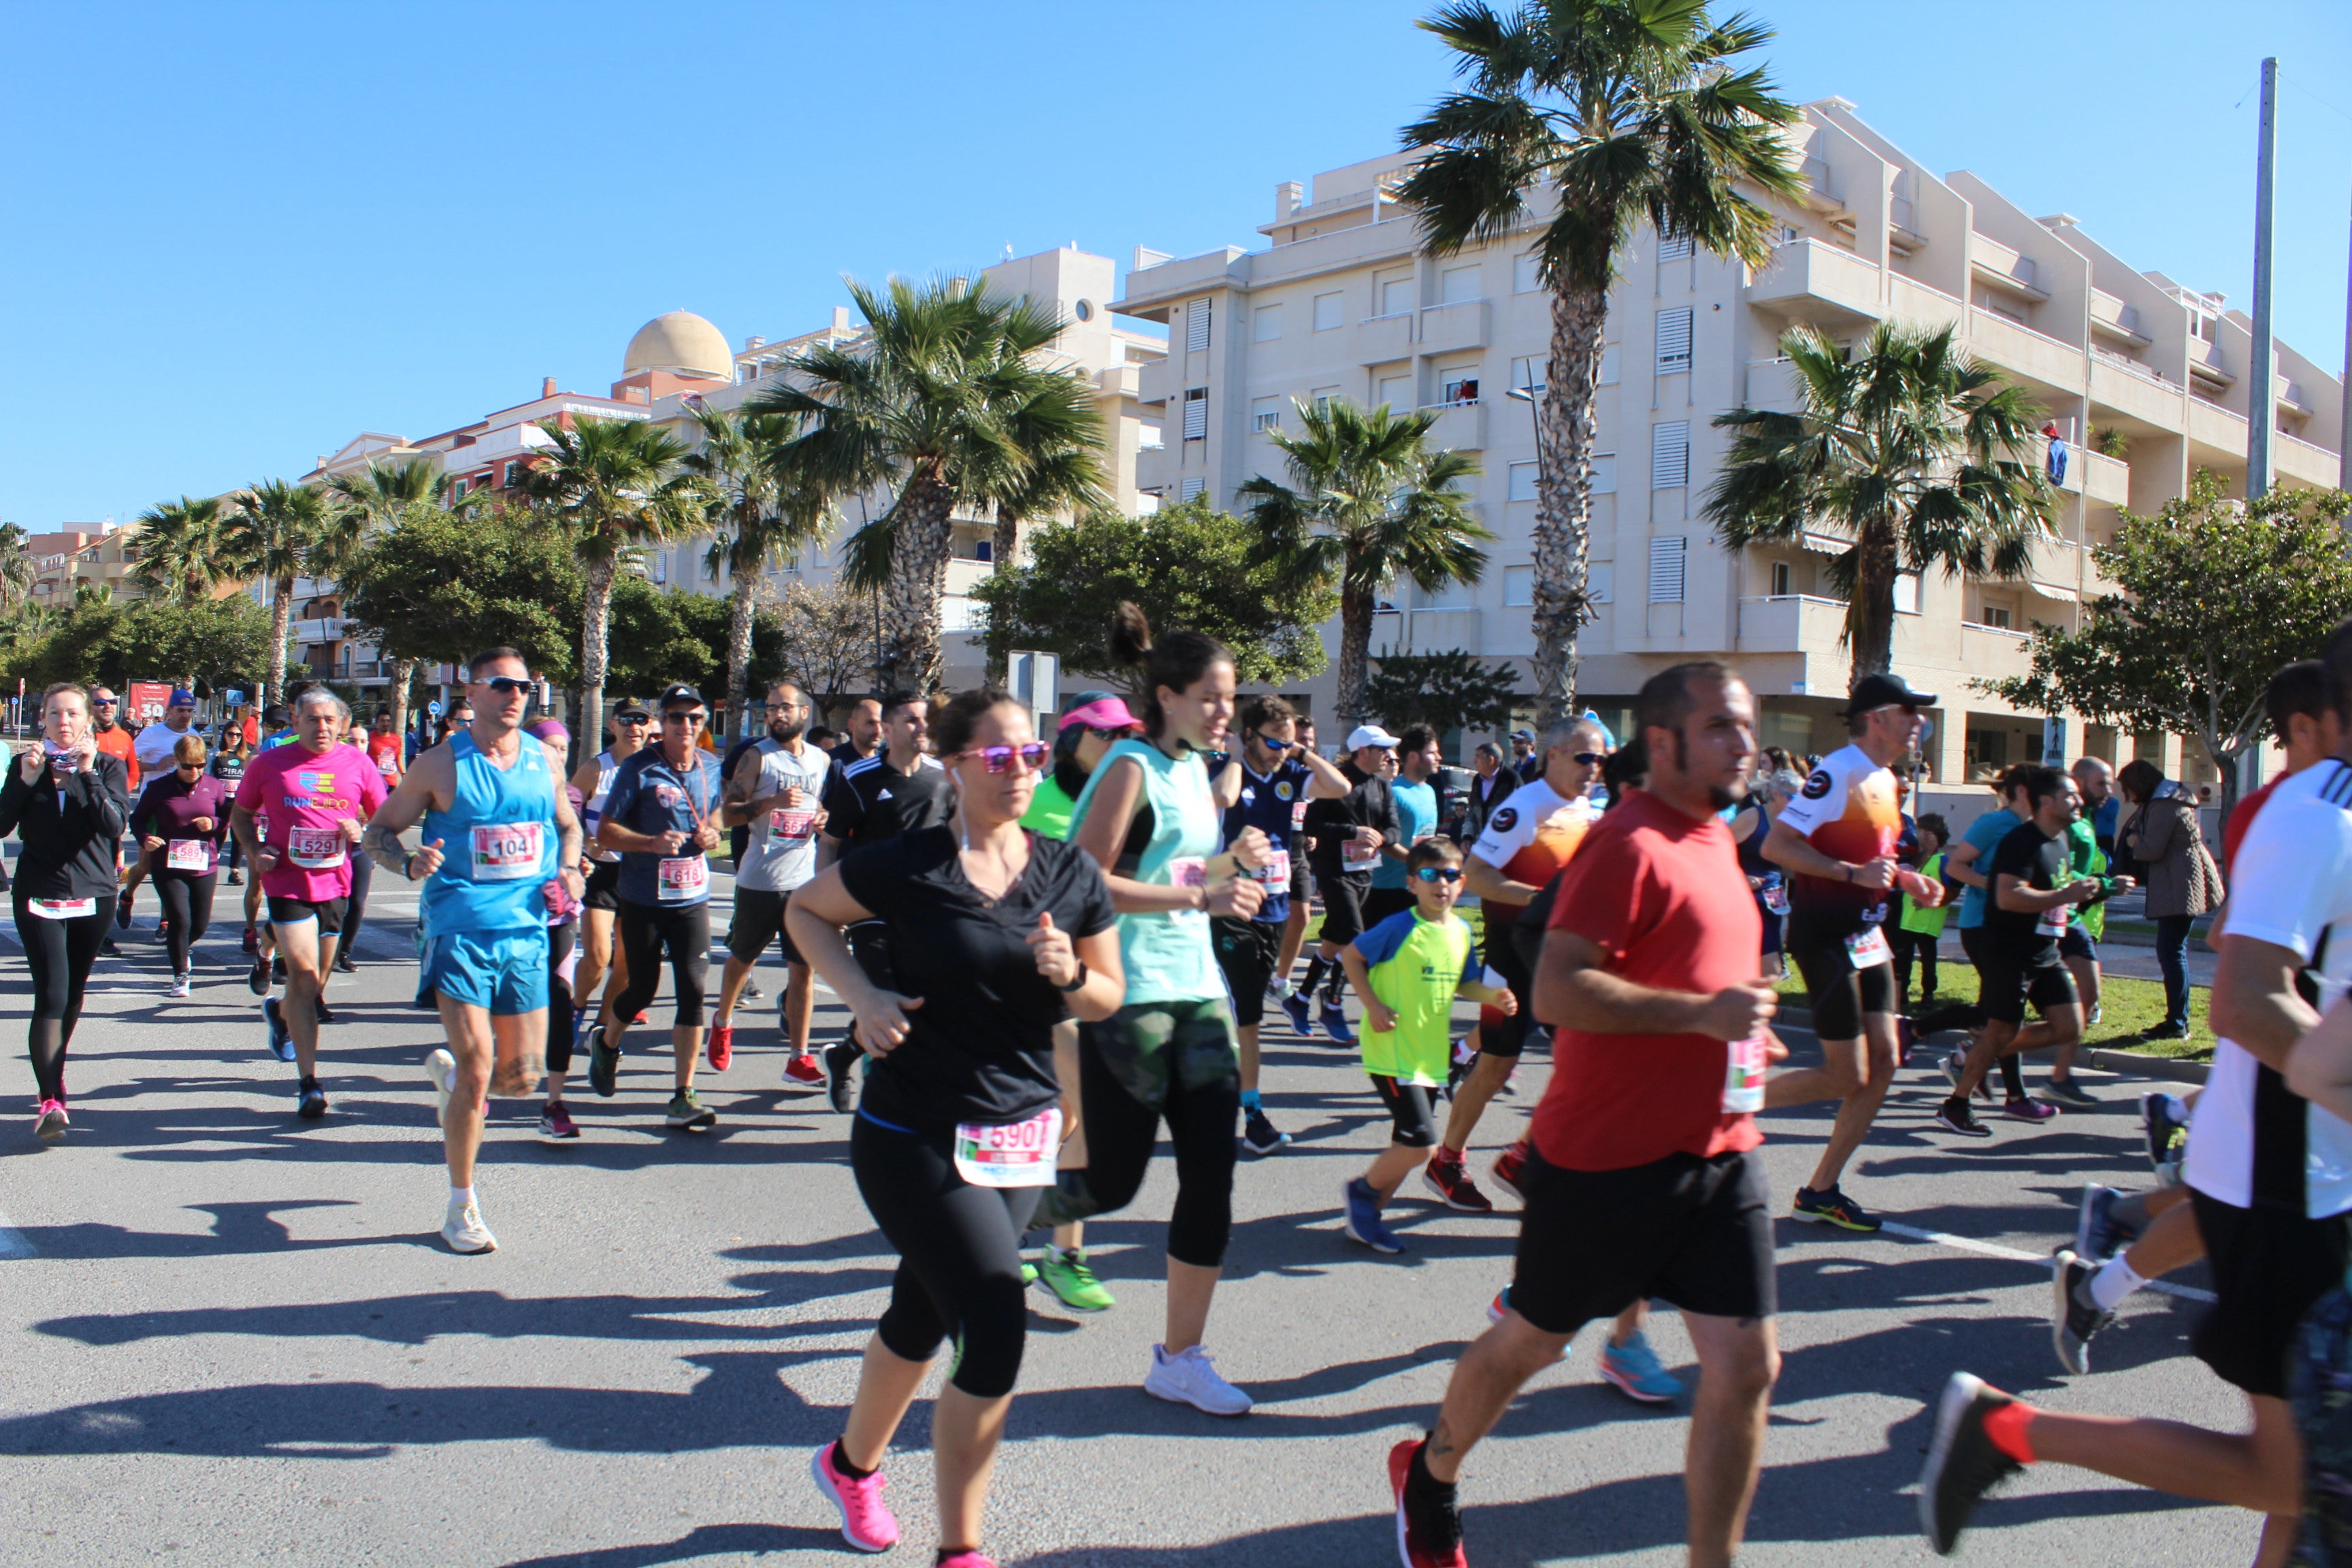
x: 1005, y: 548
x: 1357, y: 606
x: 402, y: 671
x: 1563, y: 531
x: 596, y: 621
x: 281, y: 620
x: 919, y: 573
x: 1870, y: 615
x: 738, y: 654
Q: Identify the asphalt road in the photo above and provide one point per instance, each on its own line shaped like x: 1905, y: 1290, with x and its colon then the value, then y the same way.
x: 234, y: 1337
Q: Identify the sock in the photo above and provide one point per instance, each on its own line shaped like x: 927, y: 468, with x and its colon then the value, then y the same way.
x: 841, y: 1462
x: 310, y: 1080
x: 2006, y: 1428
x: 2111, y: 1283
x: 1420, y: 1482
x: 2012, y: 1077
x: 460, y: 1196
x: 1315, y: 968
x: 1444, y: 1157
x: 1250, y: 1102
x: 1284, y: 988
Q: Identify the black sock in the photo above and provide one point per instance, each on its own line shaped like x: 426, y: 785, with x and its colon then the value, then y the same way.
x: 841, y: 1462
x: 310, y: 1080
x: 1315, y: 968
x: 2011, y: 1079
x: 1420, y: 1482
x: 1335, y: 987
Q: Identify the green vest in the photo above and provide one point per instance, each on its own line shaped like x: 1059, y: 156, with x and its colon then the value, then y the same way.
x: 1168, y: 956
x: 1049, y: 810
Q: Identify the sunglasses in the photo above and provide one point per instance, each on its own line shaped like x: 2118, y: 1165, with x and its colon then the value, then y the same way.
x: 632, y: 719
x: 1591, y: 759
x: 1438, y: 873
x: 1118, y: 733
x: 996, y: 758
x: 509, y: 684
x: 187, y: 767
x: 105, y: 701
x: 685, y: 718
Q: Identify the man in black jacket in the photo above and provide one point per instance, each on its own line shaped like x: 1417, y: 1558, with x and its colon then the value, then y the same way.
x: 1347, y: 833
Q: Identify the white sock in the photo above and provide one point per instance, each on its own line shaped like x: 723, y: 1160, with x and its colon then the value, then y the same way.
x: 1285, y: 990
x: 460, y: 1196
x: 2111, y: 1283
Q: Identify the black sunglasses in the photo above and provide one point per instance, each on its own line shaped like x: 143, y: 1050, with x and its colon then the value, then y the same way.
x: 695, y: 717
x: 509, y: 683
x: 1591, y: 759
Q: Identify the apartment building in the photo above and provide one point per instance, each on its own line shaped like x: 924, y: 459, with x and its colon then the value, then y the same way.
x: 1341, y: 303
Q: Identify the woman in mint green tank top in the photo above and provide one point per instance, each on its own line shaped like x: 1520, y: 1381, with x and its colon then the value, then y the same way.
x: 1150, y: 816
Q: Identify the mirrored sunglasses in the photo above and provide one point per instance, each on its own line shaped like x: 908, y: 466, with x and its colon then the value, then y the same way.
x: 996, y: 758
x: 1438, y: 873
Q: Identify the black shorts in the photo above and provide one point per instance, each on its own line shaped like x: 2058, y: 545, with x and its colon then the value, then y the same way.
x: 1502, y: 1034
x: 1343, y: 905
x: 2270, y: 1267
x: 1694, y: 1232
x: 1408, y: 1107
x: 1841, y: 993
x: 1246, y: 951
x: 604, y: 891
x: 329, y: 913
x: 757, y: 921
x: 2010, y: 980
x: 2077, y: 943
x: 1382, y: 902
x: 1301, y: 889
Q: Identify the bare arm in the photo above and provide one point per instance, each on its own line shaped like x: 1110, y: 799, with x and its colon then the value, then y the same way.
x: 1489, y: 882
x: 2255, y: 1003
x: 1960, y: 865
x: 424, y: 786
x: 1104, y: 831
x: 1226, y: 787
x: 1328, y: 782
x: 1574, y: 990
x: 1378, y: 1016
x: 2019, y: 896
x: 736, y: 808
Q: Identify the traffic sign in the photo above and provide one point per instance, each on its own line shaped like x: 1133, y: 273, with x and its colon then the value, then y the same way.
x: 433, y: 708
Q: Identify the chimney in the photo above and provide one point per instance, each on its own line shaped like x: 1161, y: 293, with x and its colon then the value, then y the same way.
x: 322, y: 460
x: 841, y: 317
x: 755, y: 342
x: 547, y: 387
x: 1287, y: 198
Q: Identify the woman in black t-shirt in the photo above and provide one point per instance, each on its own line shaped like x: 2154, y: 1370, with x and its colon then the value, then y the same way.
x: 995, y: 935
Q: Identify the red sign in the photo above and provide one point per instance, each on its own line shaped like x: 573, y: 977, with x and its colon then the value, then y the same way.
x: 146, y: 699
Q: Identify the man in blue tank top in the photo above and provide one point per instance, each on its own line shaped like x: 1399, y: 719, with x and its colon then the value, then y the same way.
x: 499, y: 848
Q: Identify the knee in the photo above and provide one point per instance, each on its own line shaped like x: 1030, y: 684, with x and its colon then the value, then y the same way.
x: 988, y: 1350
x: 1845, y: 1068
x: 1201, y: 1226
x: 1747, y: 1374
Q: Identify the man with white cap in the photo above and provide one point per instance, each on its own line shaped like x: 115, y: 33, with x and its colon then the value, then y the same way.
x: 152, y: 747
x: 1347, y: 833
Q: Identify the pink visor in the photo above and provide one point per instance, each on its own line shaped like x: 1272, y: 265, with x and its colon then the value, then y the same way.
x: 1102, y: 714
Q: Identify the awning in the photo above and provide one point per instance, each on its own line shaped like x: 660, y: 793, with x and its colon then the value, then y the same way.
x: 2063, y: 594
x: 1826, y: 543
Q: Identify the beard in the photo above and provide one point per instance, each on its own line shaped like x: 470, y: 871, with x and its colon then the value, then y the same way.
x: 1721, y: 797
x: 785, y: 729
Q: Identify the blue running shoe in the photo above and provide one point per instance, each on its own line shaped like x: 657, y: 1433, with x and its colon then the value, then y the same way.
x: 1334, y: 1019
x: 1634, y: 1369
x: 281, y: 1038
x: 2098, y: 1235
x: 1302, y: 1015
x: 1360, y: 1216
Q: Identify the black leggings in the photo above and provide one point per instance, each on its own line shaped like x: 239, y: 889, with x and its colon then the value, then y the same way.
x: 1122, y: 1132
x: 362, y: 876
x: 559, y: 942
x: 1907, y: 945
x: 187, y: 908
x: 959, y: 1256
x: 59, y: 953
x: 646, y: 929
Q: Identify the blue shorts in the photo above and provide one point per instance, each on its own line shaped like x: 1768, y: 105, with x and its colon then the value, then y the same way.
x: 506, y: 973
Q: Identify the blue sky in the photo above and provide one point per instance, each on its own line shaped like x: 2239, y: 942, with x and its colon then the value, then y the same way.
x: 240, y: 234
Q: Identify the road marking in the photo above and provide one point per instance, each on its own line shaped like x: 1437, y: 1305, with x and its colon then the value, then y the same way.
x: 12, y: 1241
x: 1993, y: 1249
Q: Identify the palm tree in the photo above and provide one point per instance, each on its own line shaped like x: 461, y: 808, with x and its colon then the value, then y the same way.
x: 614, y: 485
x: 1369, y: 502
x: 760, y: 519
x: 376, y: 498
x: 1063, y: 475
x: 184, y: 551
x: 1909, y: 449
x: 1606, y: 112
x: 273, y: 528
x: 944, y: 400
x: 17, y: 568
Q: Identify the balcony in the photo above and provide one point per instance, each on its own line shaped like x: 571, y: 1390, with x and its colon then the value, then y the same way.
x: 963, y: 575
x: 1990, y: 652
x: 1791, y: 623
x: 2003, y: 268
x: 1807, y: 281
x: 2207, y: 364
x: 2214, y: 427
x: 1460, y: 428
x: 1439, y: 629
x: 2015, y: 346
x: 1444, y: 328
x: 1382, y: 339
x: 326, y: 629
x: 1157, y: 380
x: 2302, y: 462
x: 2105, y: 479
x: 2132, y: 388
x: 2112, y: 317
x: 1119, y: 380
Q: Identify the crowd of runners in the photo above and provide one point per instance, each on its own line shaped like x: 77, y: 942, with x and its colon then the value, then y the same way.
x: 1052, y: 946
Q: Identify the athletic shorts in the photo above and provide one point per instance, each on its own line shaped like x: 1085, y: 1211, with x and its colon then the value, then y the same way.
x: 1415, y: 1122
x: 604, y: 891
x: 2077, y: 943
x: 1343, y: 905
x: 1502, y: 1034
x: 757, y: 921
x: 1247, y: 951
x: 2009, y: 983
x: 1301, y: 889
x: 1382, y: 902
x: 327, y: 913
x: 1697, y: 1233
x: 2269, y: 1266
x: 1840, y: 994
x: 504, y: 973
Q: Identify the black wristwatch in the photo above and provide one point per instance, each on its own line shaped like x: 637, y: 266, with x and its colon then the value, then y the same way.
x: 1074, y: 983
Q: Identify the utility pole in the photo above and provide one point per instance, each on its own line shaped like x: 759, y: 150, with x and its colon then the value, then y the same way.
x: 2262, y: 400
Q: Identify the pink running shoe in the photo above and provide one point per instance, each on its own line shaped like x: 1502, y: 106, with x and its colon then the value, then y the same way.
x: 49, y: 1123
x: 968, y: 1560
x: 2028, y: 1109
x: 865, y: 1521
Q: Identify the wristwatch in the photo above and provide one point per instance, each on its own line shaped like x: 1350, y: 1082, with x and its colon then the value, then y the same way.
x: 1075, y: 983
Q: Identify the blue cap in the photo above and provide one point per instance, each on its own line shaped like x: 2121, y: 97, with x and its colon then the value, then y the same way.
x: 182, y: 697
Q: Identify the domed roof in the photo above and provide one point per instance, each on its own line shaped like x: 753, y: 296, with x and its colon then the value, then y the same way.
x: 682, y: 343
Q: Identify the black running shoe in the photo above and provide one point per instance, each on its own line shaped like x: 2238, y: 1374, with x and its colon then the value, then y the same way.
x: 314, y: 1102
x: 1962, y: 1463
x: 603, y: 1067
x: 258, y: 982
x: 122, y: 909
x: 2074, y: 1317
x: 326, y: 1015
x: 344, y: 963
x: 840, y: 1087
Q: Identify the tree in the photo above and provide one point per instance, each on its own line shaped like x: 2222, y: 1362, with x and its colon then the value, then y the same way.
x: 186, y: 550
x: 825, y: 641
x: 17, y: 568
x: 1614, y: 112
x: 1369, y: 502
x: 207, y: 644
x: 272, y: 529
x: 1909, y: 448
x: 758, y: 520
x: 379, y: 497
x: 2212, y: 596
x: 1187, y: 567
x: 1448, y: 690
x: 440, y: 587
x: 941, y: 401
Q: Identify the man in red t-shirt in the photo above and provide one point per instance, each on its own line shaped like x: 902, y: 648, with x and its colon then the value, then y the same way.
x: 1645, y: 1179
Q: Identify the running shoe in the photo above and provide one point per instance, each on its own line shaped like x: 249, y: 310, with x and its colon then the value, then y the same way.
x: 1259, y: 1137
x: 464, y: 1230
x: 1953, y: 1064
x: 2028, y: 1111
x: 235, y: 877
x: 1028, y: 1275
x: 865, y: 1521
x: 1429, y: 1528
x: 687, y: 1113
x: 278, y: 970
x: 179, y: 986
x: 281, y: 1039
x: 1502, y: 1304
x: 637, y: 1020
x: 50, y: 1121
x: 1451, y: 1180
x: 1962, y: 1462
x: 839, y: 1058
x: 1509, y: 1170
x: 1954, y: 1116
x: 751, y: 989
x: 603, y: 1067
x: 107, y: 949
x: 2160, y: 1116
x: 442, y: 1069
x: 122, y: 909
x: 310, y: 1101
x: 2067, y: 1090
x: 1831, y: 1207
x: 2096, y: 1011
x: 1301, y: 1013
x: 1634, y: 1369
x: 1190, y: 1378
x: 2074, y: 1315
x: 1360, y: 1216
x: 722, y: 1046
x: 1067, y: 1275
x: 1334, y: 1019
x: 250, y: 942
x: 258, y: 982
x: 555, y: 1124
x: 344, y: 964
x: 974, y: 1558
x: 2098, y: 1235
x: 802, y: 1072
x: 321, y: 1011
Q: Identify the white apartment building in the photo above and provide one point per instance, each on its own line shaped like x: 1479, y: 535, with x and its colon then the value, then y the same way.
x: 1341, y: 303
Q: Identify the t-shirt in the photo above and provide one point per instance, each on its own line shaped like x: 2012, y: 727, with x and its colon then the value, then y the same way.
x: 1416, y: 806
x: 1986, y: 833
x: 152, y: 747
x: 1529, y: 837
x: 115, y: 741
x: 1661, y: 894
x: 1274, y: 804
x: 648, y: 795
x: 981, y: 1047
x: 1847, y: 810
x: 1916, y: 916
x: 868, y: 802
x: 1415, y: 967
x: 2233, y: 832
x: 780, y: 846
x: 169, y: 807
x: 384, y: 752
x: 302, y: 798
x: 2040, y: 861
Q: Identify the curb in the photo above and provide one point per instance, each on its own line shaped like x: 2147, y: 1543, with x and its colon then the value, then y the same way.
x: 2171, y: 1068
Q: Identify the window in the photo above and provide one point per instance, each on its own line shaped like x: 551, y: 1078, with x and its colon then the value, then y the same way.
x: 983, y: 548
x: 1196, y: 326
x: 1673, y: 341
x: 1779, y: 580
x: 1191, y: 487
x: 751, y: 369
x: 1670, y: 455
x: 1528, y: 372
x: 1196, y: 414
x: 1396, y: 391
x: 1518, y: 585
x: 1458, y: 285
x: 1527, y: 275
x: 1674, y: 248
x: 457, y: 492
x: 1458, y: 386
x: 1523, y: 481
x: 1396, y: 294
x: 1609, y: 364
x: 1605, y: 473
x: 1150, y: 438
x: 1668, y: 557
x: 1266, y: 325
x: 1997, y: 616
x: 1321, y: 396
x: 514, y: 475
x: 1906, y: 593
x: 1328, y: 312
x: 1266, y: 414
x: 1600, y: 582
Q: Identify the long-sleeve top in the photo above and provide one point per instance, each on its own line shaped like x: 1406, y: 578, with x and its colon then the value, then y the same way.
x: 169, y: 806
x: 1332, y: 823
x: 2163, y: 836
x: 69, y: 828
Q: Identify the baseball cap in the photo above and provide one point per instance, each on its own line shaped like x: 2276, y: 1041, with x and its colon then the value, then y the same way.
x: 1886, y: 692
x: 181, y: 698
x: 1528, y: 735
x: 1364, y: 735
x: 632, y: 709
x: 1102, y: 710
x: 680, y: 695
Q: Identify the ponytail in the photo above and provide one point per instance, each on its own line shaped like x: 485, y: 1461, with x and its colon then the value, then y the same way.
x: 1175, y: 661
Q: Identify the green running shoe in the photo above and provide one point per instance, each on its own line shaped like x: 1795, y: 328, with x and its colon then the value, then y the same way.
x: 1070, y: 1278
x: 688, y: 1112
x: 604, y: 1069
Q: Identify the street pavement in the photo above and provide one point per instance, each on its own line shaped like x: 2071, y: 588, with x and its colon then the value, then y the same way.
x: 234, y: 1337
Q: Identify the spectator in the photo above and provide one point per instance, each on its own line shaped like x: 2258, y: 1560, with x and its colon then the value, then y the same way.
x: 1526, y: 761
x: 2162, y: 833
x: 1490, y: 787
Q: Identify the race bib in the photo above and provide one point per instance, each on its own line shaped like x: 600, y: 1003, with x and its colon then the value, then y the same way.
x: 188, y: 855
x: 1776, y: 894
x: 315, y: 848
x: 682, y: 880
x: 1354, y: 857
x: 1188, y: 871
x: 1867, y: 947
x: 64, y: 909
x: 2054, y: 920
x: 788, y: 825
x: 1298, y: 815
x: 1275, y: 872
x: 507, y: 851
x: 1019, y: 1155
x: 1743, y: 1076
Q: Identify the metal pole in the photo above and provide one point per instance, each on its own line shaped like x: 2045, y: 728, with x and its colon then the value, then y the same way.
x: 2262, y: 412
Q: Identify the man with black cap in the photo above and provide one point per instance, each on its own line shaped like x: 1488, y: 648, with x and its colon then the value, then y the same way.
x: 1837, y: 838
x: 1526, y: 761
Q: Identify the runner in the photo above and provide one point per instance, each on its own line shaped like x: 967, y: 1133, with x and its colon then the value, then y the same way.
x: 300, y: 809
x: 496, y: 833
x: 1348, y: 833
x: 1644, y: 1179
x: 2080, y: 946
x: 115, y: 741
x: 1961, y: 866
x: 386, y: 749
x: 661, y: 816
x: 1302, y: 886
x: 1148, y: 813
x: 1417, y: 762
x: 362, y: 866
x: 1773, y: 792
x: 563, y: 914
x: 66, y: 801
x: 151, y: 751
x: 774, y: 793
x: 1489, y: 787
x: 996, y: 933
x: 600, y: 961
x: 1839, y: 837
x: 228, y: 767
x: 180, y: 820
x: 862, y: 736
x: 1919, y: 928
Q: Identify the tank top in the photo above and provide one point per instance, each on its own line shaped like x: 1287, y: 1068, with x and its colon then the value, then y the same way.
x: 780, y: 848
x: 1168, y: 956
x: 605, y: 768
x: 498, y: 843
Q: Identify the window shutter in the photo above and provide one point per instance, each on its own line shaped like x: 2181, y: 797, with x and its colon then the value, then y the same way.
x: 1191, y: 487
x: 1196, y: 325
x: 1523, y: 481
x: 1674, y: 248
x: 1605, y: 473
x: 1666, y: 557
x: 1196, y: 414
x: 1600, y: 582
x: 1670, y: 455
x: 1673, y: 340
x: 1328, y: 312
x: 1527, y: 273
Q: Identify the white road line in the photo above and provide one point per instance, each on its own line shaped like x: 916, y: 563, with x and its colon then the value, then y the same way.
x: 12, y: 1241
x: 1993, y: 1249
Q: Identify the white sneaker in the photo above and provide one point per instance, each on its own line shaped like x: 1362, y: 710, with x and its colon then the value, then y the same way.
x: 442, y: 1069
x: 179, y: 986
x: 1190, y: 1378
x: 465, y: 1232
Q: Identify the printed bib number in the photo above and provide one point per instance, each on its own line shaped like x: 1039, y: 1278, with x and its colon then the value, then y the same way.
x: 1743, y: 1076
x: 315, y: 848
x: 1188, y: 871
x: 188, y: 855
x: 1354, y: 857
x: 1298, y: 814
x: 789, y: 824
x: 507, y: 851
x: 1275, y: 872
x: 1776, y: 895
x: 1019, y: 1155
x: 2053, y: 921
x: 64, y: 909
x: 682, y: 880
x: 1868, y: 947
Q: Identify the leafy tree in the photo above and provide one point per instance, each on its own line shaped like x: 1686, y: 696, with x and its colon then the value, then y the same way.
x: 17, y: 568
x: 1369, y: 502
x: 207, y: 644
x: 1586, y: 117
x: 2213, y: 596
x: 824, y: 641
x: 758, y: 520
x: 1185, y: 566
x: 379, y: 497
x: 440, y: 587
x: 1909, y: 449
x: 272, y: 529
x: 1448, y: 690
